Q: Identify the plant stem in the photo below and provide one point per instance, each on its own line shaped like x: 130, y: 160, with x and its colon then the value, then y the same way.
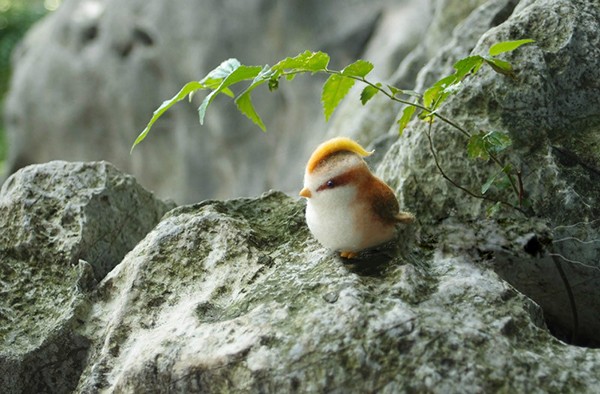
x: 456, y: 184
x: 510, y: 178
x: 407, y: 102
x: 433, y: 113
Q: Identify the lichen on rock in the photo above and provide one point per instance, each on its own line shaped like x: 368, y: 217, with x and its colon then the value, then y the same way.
x: 236, y: 296
x: 64, y: 226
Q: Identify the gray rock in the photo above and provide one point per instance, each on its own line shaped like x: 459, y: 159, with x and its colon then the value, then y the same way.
x: 236, y: 296
x: 551, y: 112
x: 64, y: 226
x: 105, y: 66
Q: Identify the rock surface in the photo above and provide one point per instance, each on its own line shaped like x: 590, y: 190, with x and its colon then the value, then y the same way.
x: 236, y: 296
x: 64, y: 227
x: 551, y: 111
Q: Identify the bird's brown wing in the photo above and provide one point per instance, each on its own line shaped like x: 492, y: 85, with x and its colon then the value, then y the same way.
x: 385, y: 205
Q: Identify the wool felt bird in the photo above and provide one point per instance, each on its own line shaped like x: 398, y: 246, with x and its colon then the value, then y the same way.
x: 348, y: 208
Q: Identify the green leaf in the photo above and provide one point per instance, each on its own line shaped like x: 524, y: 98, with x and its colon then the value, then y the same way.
x: 368, y: 92
x: 426, y: 116
x: 430, y: 95
x: 493, y: 209
x: 507, y: 46
x: 394, y: 90
x: 238, y: 74
x: 467, y: 65
x: 264, y: 75
x: 306, y: 61
x: 439, y: 92
x: 244, y: 100
x: 334, y: 90
x: 359, y: 68
x: 501, y: 67
x: 494, y: 178
x: 213, y: 79
x: 187, y: 89
x: 486, y: 186
x: 480, y: 145
x: 244, y: 104
x: 407, y: 115
x: 476, y: 148
x: 496, y: 141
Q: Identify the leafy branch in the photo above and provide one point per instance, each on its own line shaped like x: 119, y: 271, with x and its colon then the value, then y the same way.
x: 486, y: 146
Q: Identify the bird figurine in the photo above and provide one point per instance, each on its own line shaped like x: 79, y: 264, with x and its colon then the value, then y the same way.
x: 348, y: 208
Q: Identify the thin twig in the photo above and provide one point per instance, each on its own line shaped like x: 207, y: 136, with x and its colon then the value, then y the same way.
x: 456, y: 184
x: 501, y: 165
x: 433, y: 113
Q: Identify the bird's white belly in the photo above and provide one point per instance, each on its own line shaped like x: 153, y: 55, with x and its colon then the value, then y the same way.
x: 334, y: 227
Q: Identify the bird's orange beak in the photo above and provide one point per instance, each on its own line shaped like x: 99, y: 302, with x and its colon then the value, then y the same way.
x: 305, y: 193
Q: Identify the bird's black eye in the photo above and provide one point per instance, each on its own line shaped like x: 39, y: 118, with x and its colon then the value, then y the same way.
x: 330, y: 184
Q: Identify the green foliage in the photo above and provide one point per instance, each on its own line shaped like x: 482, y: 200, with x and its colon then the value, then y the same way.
x: 188, y: 89
x: 369, y: 92
x: 507, y: 46
x: 486, y: 146
x: 482, y: 145
x: 447, y: 86
x: 407, y: 115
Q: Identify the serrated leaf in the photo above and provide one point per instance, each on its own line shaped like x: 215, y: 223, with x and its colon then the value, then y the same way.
x: 439, y: 92
x: 213, y: 79
x: 239, y: 74
x: 368, y: 92
x: 467, y: 65
x: 359, y: 68
x: 264, y: 75
x: 496, y: 141
x: 480, y: 145
x: 507, y: 46
x: 430, y: 95
x: 185, y: 90
x: 244, y: 100
x: 407, y: 114
x: 501, y: 67
x: 334, y: 90
x: 394, y: 90
x: 306, y: 61
x: 476, y: 147
x: 244, y: 104
x: 486, y: 186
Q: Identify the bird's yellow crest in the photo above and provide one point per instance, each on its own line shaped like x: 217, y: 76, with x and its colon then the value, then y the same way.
x: 332, y: 146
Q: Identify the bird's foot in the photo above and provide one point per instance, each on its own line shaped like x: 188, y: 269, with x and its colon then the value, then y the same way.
x: 348, y: 254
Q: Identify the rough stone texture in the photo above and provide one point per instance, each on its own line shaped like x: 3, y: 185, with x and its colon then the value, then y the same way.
x: 105, y: 65
x: 236, y: 296
x: 64, y: 226
x: 230, y: 296
x: 551, y: 111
